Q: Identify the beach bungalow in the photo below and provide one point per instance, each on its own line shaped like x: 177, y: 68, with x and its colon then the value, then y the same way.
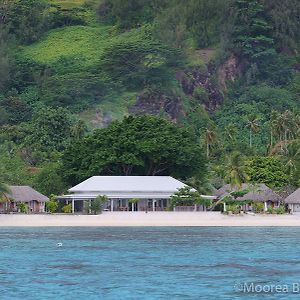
x: 256, y: 193
x: 293, y: 201
x: 124, y: 193
x: 23, y: 194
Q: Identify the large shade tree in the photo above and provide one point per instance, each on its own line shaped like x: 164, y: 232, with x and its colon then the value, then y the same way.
x: 144, y: 145
x: 268, y: 170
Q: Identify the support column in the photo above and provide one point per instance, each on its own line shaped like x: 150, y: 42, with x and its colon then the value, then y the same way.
x: 153, y: 205
x: 265, y: 206
x: 224, y: 207
x: 111, y: 204
x: 73, y: 206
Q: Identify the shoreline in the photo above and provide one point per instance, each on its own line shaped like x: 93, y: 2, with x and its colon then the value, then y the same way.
x: 142, y: 219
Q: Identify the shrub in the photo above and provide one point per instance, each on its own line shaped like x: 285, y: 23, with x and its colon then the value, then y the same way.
x: 52, y: 205
x: 280, y: 210
x: 234, y: 208
x: 97, y: 204
x: 23, y: 207
x: 258, y: 207
x: 200, y: 94
x: 67, y: 209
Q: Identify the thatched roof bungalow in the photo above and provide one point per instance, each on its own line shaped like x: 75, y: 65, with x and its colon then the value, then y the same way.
x: 256, y: 193
x: 293, y: 201
x: 25, y: 194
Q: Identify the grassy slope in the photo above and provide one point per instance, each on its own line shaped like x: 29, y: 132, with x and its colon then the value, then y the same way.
x: 75, y: 49
x: 80, y: 46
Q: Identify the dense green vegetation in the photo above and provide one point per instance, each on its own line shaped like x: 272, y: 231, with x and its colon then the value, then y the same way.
x: 225, y: 72
x: 136, y: 146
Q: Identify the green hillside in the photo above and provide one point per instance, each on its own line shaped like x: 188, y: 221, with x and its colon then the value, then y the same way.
x: 67, y: 4
x: 228, y: 71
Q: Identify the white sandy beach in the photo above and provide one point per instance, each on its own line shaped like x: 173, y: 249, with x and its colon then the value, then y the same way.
x: 150, y: 219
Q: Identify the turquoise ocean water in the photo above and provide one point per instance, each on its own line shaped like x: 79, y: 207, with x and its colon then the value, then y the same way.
x: 148, y: 263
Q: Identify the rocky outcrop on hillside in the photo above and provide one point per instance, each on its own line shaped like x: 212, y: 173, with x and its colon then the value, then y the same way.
x: 157, y: 103
x: 190, y: 79
x: 212, y: 79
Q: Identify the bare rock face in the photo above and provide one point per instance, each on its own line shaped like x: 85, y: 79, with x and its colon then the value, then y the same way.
x: 100, y: 119
x: 157, y: 103
x: 192, y: 78
x: 229, y: 71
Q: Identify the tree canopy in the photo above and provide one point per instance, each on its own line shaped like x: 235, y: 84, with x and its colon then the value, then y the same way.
x: 144, y: 145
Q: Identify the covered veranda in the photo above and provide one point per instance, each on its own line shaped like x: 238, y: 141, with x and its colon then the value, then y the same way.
x: 79, y: 202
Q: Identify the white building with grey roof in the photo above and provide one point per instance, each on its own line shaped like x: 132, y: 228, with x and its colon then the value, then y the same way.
x: 153, y: 192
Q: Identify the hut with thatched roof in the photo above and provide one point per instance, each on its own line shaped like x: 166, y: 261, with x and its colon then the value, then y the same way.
x: 34, y: 200
x: 293, y: 201
x: 252, y: 193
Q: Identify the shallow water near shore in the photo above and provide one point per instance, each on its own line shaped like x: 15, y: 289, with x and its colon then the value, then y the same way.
x: 149, y: 263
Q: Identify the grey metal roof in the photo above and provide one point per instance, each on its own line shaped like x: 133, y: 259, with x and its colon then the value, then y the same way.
x: 103, y: 184
x: 258, y: 192
x: 294, y: 197
x: 25, y: 194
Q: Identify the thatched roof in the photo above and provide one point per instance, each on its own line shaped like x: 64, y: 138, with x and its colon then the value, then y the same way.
x: 25, y: 194
x: 259, y: 192
x: 294, y: 197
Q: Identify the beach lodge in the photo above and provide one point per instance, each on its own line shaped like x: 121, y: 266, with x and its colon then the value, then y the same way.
x: 34, y: 200
x: 126, y: 193
x: 254, y: 193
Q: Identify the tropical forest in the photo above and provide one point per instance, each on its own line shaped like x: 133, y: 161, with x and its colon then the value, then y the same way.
x: 205, y: 91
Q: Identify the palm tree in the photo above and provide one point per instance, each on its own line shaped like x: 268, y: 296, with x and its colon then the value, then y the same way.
x: 253, y: 126
x: 287, y: 123
x: 236, y: 170
x: 297, y: 125
x: 210, y: 139
x: 4, y: 192
x: 274, y: 126
x: 230, y: 132
x: 292, y: 157
x: 287, y: 126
